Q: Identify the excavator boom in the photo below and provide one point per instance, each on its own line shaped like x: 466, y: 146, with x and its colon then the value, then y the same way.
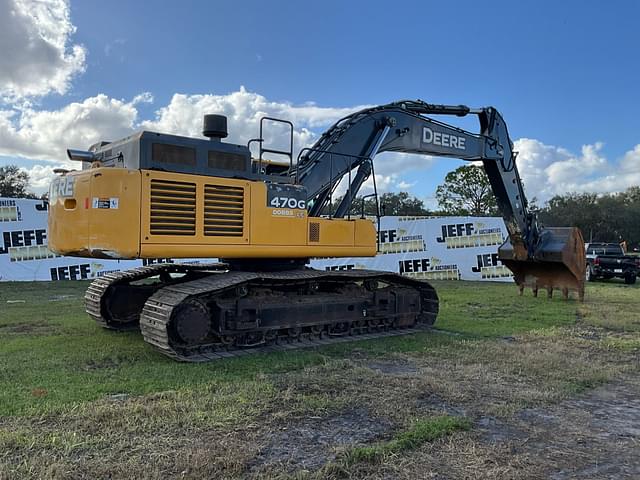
x: 539, y: 257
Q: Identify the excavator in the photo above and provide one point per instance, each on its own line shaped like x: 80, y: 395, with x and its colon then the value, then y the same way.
x: 152, y: 195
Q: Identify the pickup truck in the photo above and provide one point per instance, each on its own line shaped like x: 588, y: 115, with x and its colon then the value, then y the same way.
x: 607, y: 260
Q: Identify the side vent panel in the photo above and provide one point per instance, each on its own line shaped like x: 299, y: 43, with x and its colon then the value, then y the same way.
x: 223, y: 211
x: 173, y: 208
x: 314, y: 232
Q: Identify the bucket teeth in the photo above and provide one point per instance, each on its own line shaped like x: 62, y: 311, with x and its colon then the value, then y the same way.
x: 558, y: 263
x: 565, y: 292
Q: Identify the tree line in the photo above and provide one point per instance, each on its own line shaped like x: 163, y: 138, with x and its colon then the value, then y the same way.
x: 610, y: 217
x: 14, y: 182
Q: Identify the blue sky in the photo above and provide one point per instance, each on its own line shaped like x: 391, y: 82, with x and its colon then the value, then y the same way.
x: 564, y: 75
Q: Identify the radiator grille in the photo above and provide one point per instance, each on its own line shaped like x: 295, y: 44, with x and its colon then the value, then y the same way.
x: 173, y: 208
x: 314, y: 232
x: 223, y: 211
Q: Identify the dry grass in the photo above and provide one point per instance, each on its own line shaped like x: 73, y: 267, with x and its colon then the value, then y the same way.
x: 328, y: 413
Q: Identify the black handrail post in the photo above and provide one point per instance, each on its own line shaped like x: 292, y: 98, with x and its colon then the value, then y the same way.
x: 330, y: 184
x: 350, y: 198
x: 288, y: 153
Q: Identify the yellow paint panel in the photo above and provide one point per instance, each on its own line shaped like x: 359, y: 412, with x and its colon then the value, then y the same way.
x: 96, y: 213
x: 275, y: 226
x: 68, y: 228
x: 120, y: 213
x: 114, y: 206
x: 176, y: 210
x: 365, y: 234
x: 335, y: 232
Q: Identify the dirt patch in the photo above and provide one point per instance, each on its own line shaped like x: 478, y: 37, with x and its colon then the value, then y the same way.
x: 495, y: 430
x: 58, y: 298
x: 30, y: 328
x: 397, y: 367
x: 432, y: 402
x: 595, y: 435
x: 312, y: 442
x: 100, y: 364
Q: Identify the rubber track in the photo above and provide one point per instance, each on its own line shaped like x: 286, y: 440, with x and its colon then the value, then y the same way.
x: 97, y: 289
x: 157, y: 311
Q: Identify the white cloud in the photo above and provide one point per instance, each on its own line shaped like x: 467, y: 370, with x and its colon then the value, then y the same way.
x: 183, y: 116
x: 144, y: 97
x: 631, y: 161
x: 391, y: 169
x: 589, y: 162
x: 548, y: 170
x: 36, y: 57
x: 244, y: 109
x: 431, y: 203
x: 402, y: 185
x: 46, y: 134
x: 39, y: 178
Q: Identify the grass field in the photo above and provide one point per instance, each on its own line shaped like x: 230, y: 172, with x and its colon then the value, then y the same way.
x: 77, y: 401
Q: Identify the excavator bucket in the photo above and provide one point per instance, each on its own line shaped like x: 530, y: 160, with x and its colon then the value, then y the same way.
x: 558, y: 263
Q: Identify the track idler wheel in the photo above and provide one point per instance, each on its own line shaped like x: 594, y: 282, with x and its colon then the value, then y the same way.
x: 271, y: 336
x: 294, y: 333
x: 251, y: 339
x: 339, y: 329
x: 191, y: 322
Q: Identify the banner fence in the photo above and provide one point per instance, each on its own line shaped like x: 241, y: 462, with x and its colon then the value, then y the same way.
x: 446, y: 248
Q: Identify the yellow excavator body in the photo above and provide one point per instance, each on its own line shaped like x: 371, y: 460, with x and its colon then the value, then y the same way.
x: 153, y: 195
x: 126, y: 214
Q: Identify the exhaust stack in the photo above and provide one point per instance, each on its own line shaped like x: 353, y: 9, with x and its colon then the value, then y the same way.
x: 215, y: 127
x: 81, y: 155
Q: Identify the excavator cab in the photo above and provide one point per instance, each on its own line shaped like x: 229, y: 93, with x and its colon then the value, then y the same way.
x: 558, y: 262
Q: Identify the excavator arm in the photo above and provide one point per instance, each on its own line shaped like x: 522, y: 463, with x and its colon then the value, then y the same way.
x: 547, y: 258
x: 403, y: 127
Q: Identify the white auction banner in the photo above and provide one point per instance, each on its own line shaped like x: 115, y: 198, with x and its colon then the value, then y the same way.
x: 24, y: 251
x: 434, y: 248
x: 447, y: 248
